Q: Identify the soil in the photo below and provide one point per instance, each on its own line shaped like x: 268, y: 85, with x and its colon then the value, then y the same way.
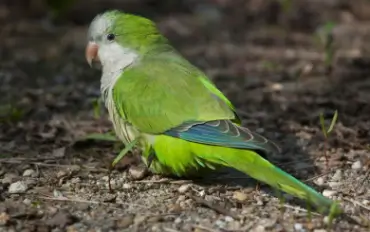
x: 266, y: 56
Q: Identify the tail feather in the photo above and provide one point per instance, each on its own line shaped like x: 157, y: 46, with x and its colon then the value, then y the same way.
x: 257, y: 167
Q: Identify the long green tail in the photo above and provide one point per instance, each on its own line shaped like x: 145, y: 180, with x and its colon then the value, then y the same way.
x: 257, y: 167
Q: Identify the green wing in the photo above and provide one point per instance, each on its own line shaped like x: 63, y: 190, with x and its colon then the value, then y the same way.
x: 158, y: 94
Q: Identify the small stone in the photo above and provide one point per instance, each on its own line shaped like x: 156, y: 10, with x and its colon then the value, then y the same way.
x: 181, y: 198
x: 326, y: 220
x: 220, y: 223
x: 177, y: 220
x: 183, y: 188
x: 76, y: 180
x: 337, y: 175
x: 4, y: 218
x: 9, y: 178
x: 334, y: 184
x: 125, y: 221
x: 105, y: 178
x: 320, y: 181
x: 174, y: 208
x: 138, y: 172
x: 18, y: 187
x: 240, y: 196
x: 357, y: 165
x: 229, y: 219
x: 329, y: 193
x: 61, y: 174
x: 139, y: 219
x: 29, y: 173
x: 27, y: 201
x: 298, y: 227
x: 366, y: 202
x: 319, y: 230
x: 126, y: 186
x: 259, y: 228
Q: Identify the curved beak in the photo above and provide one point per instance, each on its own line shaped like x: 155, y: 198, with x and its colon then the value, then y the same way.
x: 91, y: 53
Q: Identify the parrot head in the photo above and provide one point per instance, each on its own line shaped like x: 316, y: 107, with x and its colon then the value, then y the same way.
x: 117, y: 39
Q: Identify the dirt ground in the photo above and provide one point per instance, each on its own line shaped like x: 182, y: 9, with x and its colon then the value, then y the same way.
x: 264, y: 55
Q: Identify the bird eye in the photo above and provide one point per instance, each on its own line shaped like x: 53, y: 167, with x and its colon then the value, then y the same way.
x: 111, y: 37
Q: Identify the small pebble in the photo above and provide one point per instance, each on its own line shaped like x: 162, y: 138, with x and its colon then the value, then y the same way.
x: 320, y: 181
x: 139, y: 219
x: 18, y: 187
x: 183, y: 188
x: 337, y: 175
x: 366, y: 202
x: 240, y: 196
x: 334, y: 184
x: 229, y: 219
x: 105, y: 178
x: 298, y: 227
x: 126, y: 186
x: 357, y: 165
x: 178, y: 220
x: 76, y: 180
x: 259, y: 228
x: 329, y: 193
x: 29, y: 173
x: 61, y: 174
x: 220, y: 223
x: 319, y: 230
x: 326, y: 220
x: 137, y: 172
x: 9, y: 178
x: 27, y: 201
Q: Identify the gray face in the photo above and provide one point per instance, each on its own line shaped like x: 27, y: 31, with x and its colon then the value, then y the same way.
x: 98, y: 30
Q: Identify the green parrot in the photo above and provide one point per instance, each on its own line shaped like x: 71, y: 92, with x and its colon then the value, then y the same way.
x: 168, y: 108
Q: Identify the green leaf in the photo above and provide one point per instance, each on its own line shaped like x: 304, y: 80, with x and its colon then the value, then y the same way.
x: 333, y: 122
x: 322, y: 122
x: 124, y: 151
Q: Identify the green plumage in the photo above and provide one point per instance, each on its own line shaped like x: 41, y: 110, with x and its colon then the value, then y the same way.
x: 185, y: 124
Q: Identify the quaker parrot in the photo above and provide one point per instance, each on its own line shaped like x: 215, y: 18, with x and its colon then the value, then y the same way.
x: 163, y: 105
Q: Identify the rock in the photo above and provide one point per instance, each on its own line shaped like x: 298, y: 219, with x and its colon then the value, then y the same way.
x: 184, y: 188
x: 125, y: 221
x: 9, y: 178
x: 177, y: 220
x: 138, y: 172
x: 29, y: 173
x: 298, y: 227
x: 334, y: 184
x: 27, y: 201
x: 329, y: 193
x: 320, y: 181
x: 240, y: 196
x: 4, y: 218
x: 319, y: 230
x: 229, y: 219
x: 76, y: 180
x: 259, y: 228
x: 337, y: 175
x: 126, y: 186
x: 18, y: 187
x: 61, y: 174
x: 357, y: 165
x: 139, y: 219
x: 220, y: 223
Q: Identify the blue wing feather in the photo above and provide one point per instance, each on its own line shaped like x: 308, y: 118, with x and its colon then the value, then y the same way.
x: 222, y: 133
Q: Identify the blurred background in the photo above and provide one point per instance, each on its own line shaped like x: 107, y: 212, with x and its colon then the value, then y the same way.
x: 283, y: 63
